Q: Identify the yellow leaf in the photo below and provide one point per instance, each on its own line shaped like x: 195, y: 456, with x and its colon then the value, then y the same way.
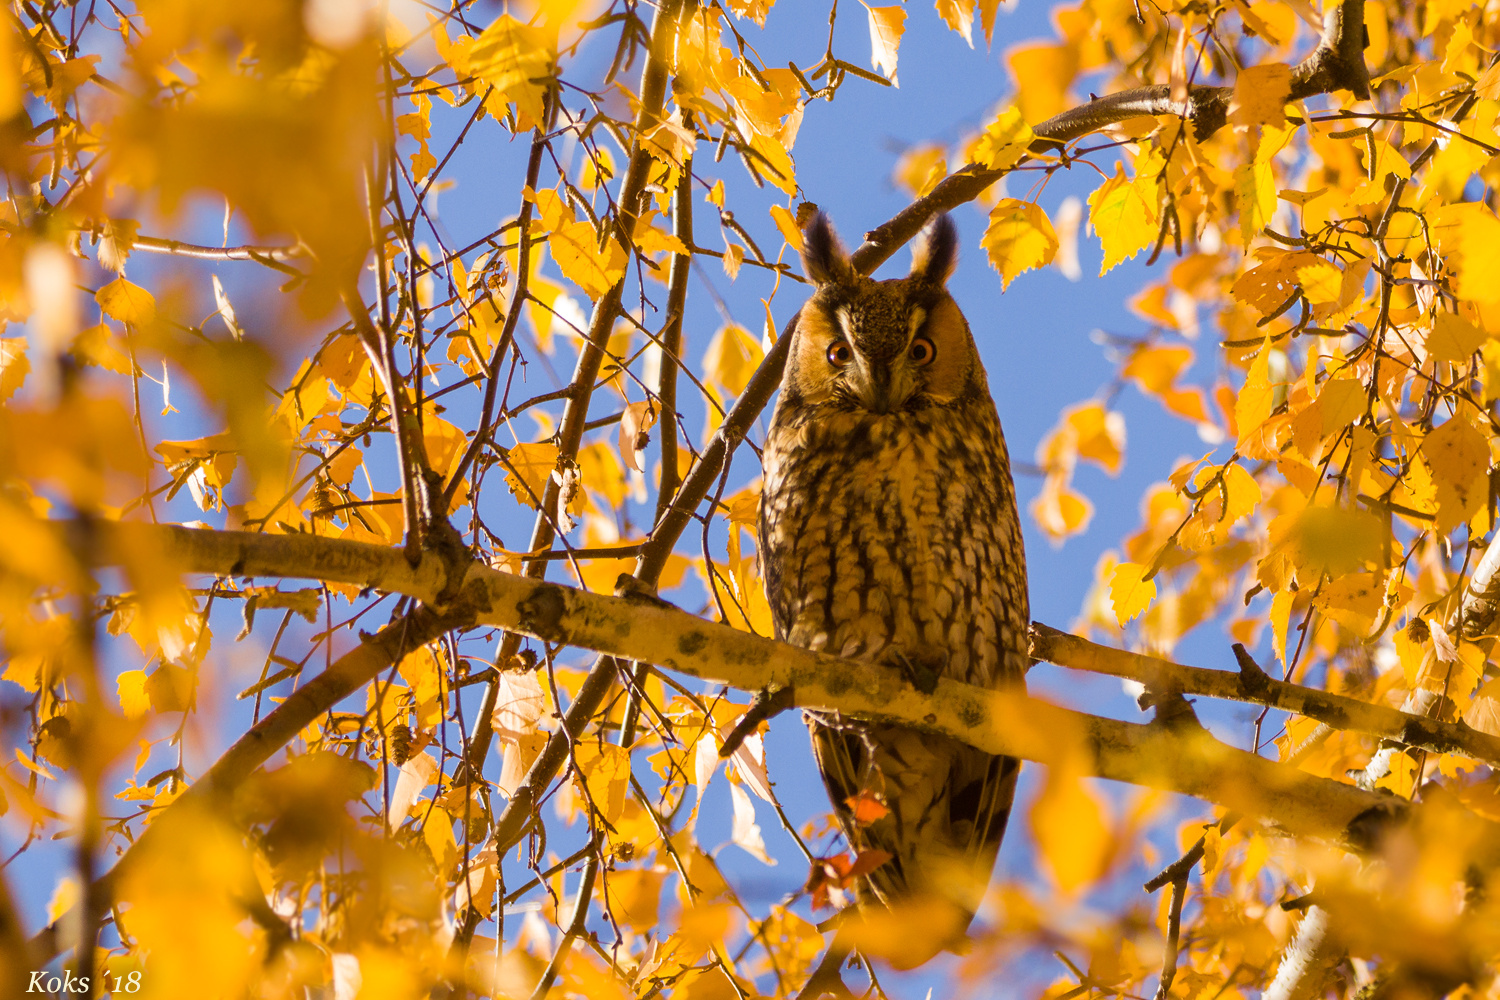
x: 788, y: 227
x: 601, y: 471
x: 1337, y: 540
x: 1069, y: 826
x: 1459, y: 458
x: 886, y: 25
x: 712, y: 983
x: 423, y: 671
x: 635, y: 896
x: 731, y: 358
x: 1020, y: 237
x: 1129, y: 592
x: 437, y: 834
x: 527, y: 469
x: 1242, y: 493
x: 1004, y: 141
x: 734, y: 256
x: 1469, y: 237
x: 1255, y: 191
x: 1342, y: 401
x: 1321, y: 281
x: 605, y: 771
x: 919, y: 169
x: 1234, y: 496
x: 1454, y: 338
x: 1100, y: 435
x: 575, y: 247
x: 1280, y: 618
x: 511, y: 57
x: 1155, y: 368
x: 131, y: 685
x: 987, y: 11
x: 126, y: 302
x: 1059, y: 511
x: 445, y: 443
x: 13, y: 364
x: 908, y: 935
x: 1124, y: 220
x: 755, y: 10
x: 598, y: 168
x: 1260, y: 95
x: 64, y: 897
x: 95, y: 346
x: 1253, y: 403
x: 1268, y: 285
x: 650, y: 240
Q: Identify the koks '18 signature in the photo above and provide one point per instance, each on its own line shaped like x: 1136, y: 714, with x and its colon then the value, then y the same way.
x: 69, y: 983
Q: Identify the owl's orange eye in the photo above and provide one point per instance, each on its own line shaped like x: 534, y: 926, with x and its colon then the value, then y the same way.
x: 922, y: 352
x: 840, y: 353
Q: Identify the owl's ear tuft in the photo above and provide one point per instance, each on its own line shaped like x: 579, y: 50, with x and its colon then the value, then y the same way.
x: 823, y: 256
x: 934, y: 254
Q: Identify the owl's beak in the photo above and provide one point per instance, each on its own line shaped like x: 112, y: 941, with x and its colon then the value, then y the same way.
x: 882, y: 388
x: 872, y: 383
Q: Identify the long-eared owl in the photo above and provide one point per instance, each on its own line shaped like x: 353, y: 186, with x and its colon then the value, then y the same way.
x: 889, y: 533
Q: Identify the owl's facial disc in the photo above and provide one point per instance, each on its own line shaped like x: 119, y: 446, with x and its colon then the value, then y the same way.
x: 869, y: 370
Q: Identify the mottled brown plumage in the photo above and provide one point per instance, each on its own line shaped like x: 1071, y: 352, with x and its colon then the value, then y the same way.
x: 889, y: 533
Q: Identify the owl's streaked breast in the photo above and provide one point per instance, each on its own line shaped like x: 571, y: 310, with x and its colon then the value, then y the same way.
x: 896, y: 534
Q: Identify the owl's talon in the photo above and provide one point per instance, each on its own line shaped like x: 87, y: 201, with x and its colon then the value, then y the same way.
x: 922, y: 676
x: 768, y: 702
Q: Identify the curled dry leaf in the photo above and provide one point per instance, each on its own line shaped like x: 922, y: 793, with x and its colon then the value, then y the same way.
x: 635, y: 426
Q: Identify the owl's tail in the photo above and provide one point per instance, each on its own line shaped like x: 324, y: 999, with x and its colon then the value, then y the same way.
x: 937, y: 806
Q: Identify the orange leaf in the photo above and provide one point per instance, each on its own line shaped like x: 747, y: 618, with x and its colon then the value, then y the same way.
x: 865, y: 808
x: 886, y: 26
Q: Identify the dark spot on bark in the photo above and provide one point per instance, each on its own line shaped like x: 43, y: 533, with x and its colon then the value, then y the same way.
x: 838, y: 681
x: 542, y: 612
x: 970, y: 713
x: 692, y: 643
x: 930, y: 719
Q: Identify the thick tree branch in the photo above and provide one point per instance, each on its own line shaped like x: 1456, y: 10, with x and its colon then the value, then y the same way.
x: 1181, y: 759
x: 1304, y: 964
x: 1253, y: 685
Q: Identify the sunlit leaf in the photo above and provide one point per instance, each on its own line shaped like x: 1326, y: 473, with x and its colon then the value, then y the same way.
x: 1260, y: 95
x: 513, y: 57
x: 1019, y: 238
x: 1129, y: 591
x: 886, y: 27
x: 1125, y: 221
x: 126, y: 302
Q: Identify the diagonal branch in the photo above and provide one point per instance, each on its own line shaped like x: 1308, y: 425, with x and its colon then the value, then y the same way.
x: 311, y: 700
x: 1336, y: 64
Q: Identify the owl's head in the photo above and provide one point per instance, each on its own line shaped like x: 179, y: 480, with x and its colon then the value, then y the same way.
x: 882, y: 346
